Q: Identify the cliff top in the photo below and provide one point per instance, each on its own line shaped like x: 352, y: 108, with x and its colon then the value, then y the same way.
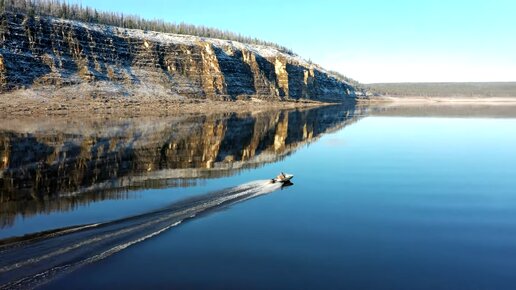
x: 174, y: 38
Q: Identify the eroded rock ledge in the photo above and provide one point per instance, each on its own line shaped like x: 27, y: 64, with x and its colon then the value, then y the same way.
x: 43, y: 52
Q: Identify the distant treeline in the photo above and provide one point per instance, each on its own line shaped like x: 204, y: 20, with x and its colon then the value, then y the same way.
x: 61, y: 9
x: 493, y: 89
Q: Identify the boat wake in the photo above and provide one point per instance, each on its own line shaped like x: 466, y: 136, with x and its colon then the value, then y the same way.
x: 33, y: 260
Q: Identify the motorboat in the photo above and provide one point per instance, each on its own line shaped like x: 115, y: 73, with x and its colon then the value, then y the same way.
x: 283, y: 178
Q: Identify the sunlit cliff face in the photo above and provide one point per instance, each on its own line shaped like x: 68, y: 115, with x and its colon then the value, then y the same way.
x: 41, y: 51
x: 59, y: 167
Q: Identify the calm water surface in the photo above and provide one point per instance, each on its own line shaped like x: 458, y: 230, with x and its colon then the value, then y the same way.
x: 380, y: 201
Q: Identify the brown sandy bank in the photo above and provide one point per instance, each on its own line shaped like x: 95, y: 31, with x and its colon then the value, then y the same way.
x: 29, y: 103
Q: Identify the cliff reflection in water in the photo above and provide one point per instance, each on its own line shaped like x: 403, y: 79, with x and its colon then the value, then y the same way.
x: 56, y: 167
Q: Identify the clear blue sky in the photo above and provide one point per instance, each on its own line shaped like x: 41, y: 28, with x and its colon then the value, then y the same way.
x: 369, y: 40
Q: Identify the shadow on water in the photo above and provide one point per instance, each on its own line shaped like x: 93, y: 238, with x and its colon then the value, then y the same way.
x: 58, y: 166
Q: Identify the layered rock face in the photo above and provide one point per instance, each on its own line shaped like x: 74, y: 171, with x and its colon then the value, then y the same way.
x: 42, y: 51
x: 57, y: 168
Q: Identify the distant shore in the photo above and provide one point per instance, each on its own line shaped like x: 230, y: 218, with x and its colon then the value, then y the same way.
x: 449, y: 100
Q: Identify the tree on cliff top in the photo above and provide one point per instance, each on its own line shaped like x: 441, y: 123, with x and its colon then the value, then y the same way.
x: 61, y: 9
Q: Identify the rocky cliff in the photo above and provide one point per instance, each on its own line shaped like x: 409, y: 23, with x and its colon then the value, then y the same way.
x: 44, y: 51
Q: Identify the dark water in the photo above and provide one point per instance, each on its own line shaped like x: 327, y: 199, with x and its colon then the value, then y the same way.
x: 383, y: 199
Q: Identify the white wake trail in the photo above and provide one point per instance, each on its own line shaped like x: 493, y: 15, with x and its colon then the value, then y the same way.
x: 36, y: 259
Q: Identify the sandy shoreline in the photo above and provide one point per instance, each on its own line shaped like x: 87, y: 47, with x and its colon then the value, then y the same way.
x: 30, y: 104
x: 20, y: 105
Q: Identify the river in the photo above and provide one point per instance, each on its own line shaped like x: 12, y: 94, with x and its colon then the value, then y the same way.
x: 383, y: 198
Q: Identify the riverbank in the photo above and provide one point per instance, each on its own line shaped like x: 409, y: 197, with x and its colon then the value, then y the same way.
x: 30, y: 103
